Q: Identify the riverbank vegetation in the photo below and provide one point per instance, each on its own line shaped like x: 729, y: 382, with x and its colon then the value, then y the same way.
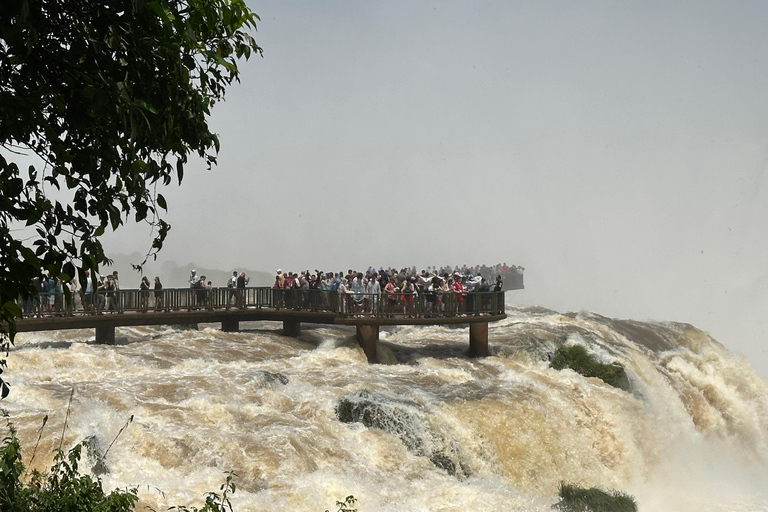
x: 65, y: 489
x: 574, y: 498
x: 579, y: 360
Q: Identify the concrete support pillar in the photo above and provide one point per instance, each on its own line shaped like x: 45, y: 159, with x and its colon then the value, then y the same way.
x: 368, y: 337
x: 291, y: 328
x: 105, y: 334
x: 478, y: 339
x: 230, y: 325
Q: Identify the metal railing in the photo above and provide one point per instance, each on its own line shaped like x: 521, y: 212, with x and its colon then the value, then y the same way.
x: 380, y: 305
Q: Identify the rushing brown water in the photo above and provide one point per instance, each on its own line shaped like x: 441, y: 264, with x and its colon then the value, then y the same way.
x: 459, y: 434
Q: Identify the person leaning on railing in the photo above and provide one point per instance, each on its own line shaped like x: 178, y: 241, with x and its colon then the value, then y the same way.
x: 158, y: 294
x: 242, y: 280
x: 144, y: 295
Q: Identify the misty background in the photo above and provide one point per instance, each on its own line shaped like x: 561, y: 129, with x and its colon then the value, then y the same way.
x: 616, y: 150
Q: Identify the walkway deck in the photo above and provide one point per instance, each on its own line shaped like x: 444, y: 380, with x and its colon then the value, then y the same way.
x: 292, y: 307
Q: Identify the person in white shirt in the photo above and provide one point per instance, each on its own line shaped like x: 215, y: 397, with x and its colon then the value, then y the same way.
x: 374, y: 291
x: 343, y: 292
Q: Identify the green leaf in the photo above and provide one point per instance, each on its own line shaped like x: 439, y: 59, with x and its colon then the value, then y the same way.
x: 12, y: 309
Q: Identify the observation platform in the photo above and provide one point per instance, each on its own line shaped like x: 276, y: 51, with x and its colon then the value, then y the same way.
x: 106, y: 311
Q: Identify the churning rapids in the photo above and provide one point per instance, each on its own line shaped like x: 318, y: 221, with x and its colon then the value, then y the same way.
x: 454, y: 434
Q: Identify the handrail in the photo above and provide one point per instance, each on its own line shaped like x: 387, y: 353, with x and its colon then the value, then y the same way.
x: 348, y: 305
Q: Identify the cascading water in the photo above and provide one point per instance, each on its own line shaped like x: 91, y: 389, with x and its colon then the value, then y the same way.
x: 304, y: 422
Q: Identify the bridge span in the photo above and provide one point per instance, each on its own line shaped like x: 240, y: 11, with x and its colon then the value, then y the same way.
x: 229, y: 306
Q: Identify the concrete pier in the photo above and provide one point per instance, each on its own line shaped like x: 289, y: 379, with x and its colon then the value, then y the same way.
x: 230, y: 325
x: 368, y: 338
x: 478, y: 339
x: 105, y: 334
x: 291, y: 328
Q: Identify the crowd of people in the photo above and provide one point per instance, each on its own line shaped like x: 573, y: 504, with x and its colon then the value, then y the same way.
x: 392, y: 288
x: 97, y: 295
x: 361, y: 291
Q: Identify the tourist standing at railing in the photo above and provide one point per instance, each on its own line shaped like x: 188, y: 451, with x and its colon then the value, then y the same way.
x: 158, y: 294
x: 232, y: 285
x: 28, y: 307
x: 358, y: 293
x: 194, y: 282
x: 47, y: 297
x: 498, y: 285
x: 470, y: 283
x: 484, y: 287
x: 277, y: 291
x: 117, y: 298
x: 408, y: 295
x: 58, y: 297
x: 432, y: 294
x: 391, y: 301
x: 99, y: 296
x: 374, y: 290
x: 303, y: 285
x: 111, y: 288
x: 242, y: 280
x: 144, y: 294
x: 88, y: 293
x: 444, y: 289
x: 201, y: 292
x: 460, y: 289
x: 74, y: 296
x: 344, y: 291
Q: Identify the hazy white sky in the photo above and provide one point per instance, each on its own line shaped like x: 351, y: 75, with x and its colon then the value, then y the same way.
x: 617, y: 150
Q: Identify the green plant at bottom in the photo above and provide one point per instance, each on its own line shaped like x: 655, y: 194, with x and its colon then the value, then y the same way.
x: 574, y: 498
x: 346, y: 505
x: 215, y: 502
x: 579, y: 360
x: 63, y: 489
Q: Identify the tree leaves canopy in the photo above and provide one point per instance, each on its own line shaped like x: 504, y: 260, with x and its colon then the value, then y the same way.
x: 112, y: 97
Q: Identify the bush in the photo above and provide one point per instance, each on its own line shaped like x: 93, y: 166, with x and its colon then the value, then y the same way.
x: 64, y: 489
x: 578, y: 499
x: 579, y: 360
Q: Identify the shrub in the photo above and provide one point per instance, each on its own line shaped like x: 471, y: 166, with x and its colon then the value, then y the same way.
x: 346, y: 505
x: 64, y: 489
x: 579, y: 360
x: 578, y: 499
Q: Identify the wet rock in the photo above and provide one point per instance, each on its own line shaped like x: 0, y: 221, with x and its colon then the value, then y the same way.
x: 406, y: 421
x: 95, y: 456
x: 269, y: 378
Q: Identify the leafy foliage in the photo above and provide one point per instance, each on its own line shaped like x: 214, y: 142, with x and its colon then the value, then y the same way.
x: 63, y: 489
x: 112, y: 97
x: 574, y: 498
x: 346, y: 505
x: 579, y: 360
x: 215, y: 502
